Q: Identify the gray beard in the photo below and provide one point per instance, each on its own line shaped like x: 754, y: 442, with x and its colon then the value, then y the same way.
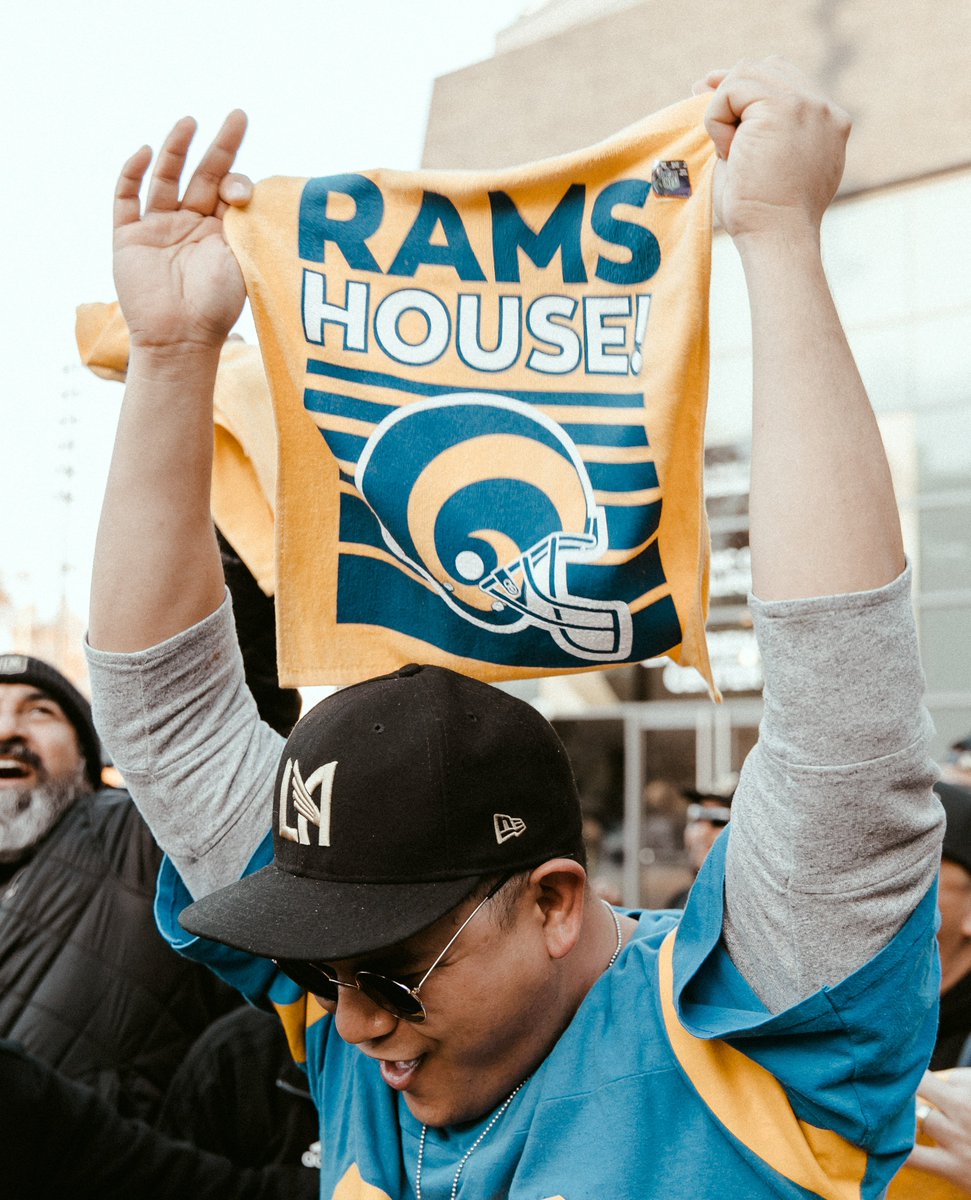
x: 28, y: 814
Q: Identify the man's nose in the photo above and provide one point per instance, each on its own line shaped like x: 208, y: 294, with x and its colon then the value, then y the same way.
x: 11, y: 728
x: 359, y: 1019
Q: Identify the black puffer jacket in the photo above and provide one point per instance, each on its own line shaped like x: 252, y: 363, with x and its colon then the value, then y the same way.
x: 87, y: 984
x: 61, y: 1140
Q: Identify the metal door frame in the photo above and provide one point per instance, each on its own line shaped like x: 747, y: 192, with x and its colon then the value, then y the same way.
x: 713, y: 725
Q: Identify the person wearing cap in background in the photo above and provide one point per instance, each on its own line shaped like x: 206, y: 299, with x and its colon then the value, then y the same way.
x: 939, y: 1167
x: 474, y: 1022
x: 953, y: 1046
x: 86, y: 983
x: 708, y: 814
x: 956, y: 767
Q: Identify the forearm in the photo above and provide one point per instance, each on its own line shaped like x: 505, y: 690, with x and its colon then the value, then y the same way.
x: 823, y: 517
x: 157, y: 569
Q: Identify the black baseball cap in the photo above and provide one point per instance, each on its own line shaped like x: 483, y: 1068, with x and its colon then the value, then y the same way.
x: 393, y: 799
x: 22, y: 668
x: 957, y: 831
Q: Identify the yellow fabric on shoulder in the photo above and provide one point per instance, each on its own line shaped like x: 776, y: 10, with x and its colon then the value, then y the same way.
x: 296, y: 1018
x: 244, y: 461
x: 752, y: 1105
x: 489, y: 390
x: 353, y: 1187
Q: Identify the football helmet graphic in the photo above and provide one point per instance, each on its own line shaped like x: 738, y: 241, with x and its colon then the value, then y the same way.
x: 489, y: 501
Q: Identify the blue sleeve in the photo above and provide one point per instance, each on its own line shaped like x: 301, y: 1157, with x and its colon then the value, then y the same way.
x: 849, y: 1056
x: 256, y: 978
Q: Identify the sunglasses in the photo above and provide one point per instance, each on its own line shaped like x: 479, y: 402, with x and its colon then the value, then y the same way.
x: 395, y: 997
x: 716, y: 814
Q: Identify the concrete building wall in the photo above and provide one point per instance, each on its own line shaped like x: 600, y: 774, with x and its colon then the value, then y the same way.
x: 900, y: 67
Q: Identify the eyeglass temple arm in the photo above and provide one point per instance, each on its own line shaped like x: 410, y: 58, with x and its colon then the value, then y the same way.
x: 485, y: 900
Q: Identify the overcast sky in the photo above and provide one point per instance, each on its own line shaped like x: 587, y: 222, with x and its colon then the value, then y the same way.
x: 328, y: 87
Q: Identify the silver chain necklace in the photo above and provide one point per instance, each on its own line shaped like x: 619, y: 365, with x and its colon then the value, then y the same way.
x: 472, y: 1149
x: 505, y: 1104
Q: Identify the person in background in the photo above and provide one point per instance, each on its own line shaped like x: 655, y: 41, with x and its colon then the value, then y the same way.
x: 939, y: 1168
x: 953, y: 1045
x: 61, y: 1139
x: 708, y: 814
x: 239, y: 1093
x: 956, y: 767
x: 86, y: 982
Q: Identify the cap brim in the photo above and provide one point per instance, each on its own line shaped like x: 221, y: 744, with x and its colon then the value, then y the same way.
x: 274, y: 914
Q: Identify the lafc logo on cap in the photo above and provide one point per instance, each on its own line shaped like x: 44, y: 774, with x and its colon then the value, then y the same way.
x: 293, y: 786
x: 507, y: 827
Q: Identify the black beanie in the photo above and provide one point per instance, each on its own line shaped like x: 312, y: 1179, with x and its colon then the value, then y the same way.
x: 20, y: 668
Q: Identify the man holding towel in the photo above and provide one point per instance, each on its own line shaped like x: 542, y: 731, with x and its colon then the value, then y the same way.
x: 473, y: 1020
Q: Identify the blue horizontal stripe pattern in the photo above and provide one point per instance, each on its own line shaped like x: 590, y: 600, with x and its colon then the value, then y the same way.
x: 379, y: 379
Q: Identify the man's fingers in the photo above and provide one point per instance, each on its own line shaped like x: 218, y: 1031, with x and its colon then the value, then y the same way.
x: 733, y: 92
x: 708, y: 83
x: 934, y: 1090
x: 932, y: 1159
x: 203, y: 193
x: 721, y: 120
x: 236, y: 190
x: 163, y: 192
x: 747, y: 84
x: 936, y: 1125
x: 126, y: 208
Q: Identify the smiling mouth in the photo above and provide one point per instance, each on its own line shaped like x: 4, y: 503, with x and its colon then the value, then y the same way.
x: 399, y: 1073
x: 13, y: 770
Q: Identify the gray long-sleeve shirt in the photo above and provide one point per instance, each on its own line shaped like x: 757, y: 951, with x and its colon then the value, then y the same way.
x: 835, y: 830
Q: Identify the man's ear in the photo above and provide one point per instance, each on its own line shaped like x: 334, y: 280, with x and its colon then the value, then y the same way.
x: 559, y: 888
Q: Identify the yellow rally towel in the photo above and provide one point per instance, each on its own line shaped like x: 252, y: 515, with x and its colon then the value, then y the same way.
x: 489, y: 392
x: 244, y: 462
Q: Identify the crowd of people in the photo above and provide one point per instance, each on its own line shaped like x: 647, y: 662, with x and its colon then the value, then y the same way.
x: 436, y: 1001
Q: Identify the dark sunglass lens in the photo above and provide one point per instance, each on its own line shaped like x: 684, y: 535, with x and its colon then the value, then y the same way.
x: 312, y: 977
x: 392, y: 996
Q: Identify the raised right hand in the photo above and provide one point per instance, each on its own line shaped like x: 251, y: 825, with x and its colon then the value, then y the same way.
x: 178, y: 282
x: 781, y: 145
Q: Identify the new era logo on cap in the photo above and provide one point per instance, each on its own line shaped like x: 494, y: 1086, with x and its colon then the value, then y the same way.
x: 507, y: 827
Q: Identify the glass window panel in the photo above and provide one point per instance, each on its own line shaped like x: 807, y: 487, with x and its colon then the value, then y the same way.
x: 941, y: 247
x: 744, y: 738
x: 945, y: 549
x: 729, y: 308
x: 944, y: 448
x: 885, y: 355
x: 945, y: 643
x: 941, y: 342
x: 861, y: 248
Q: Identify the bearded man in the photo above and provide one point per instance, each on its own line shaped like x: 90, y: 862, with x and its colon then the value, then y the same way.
x: 86, y: 983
